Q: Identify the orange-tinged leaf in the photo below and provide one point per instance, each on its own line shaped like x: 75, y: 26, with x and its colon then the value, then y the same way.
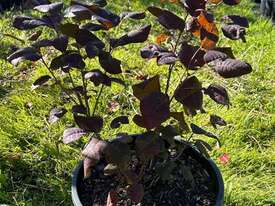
x: 209, y: 33
x: 193, y: 26
x: 214, y: 1
x: 209, y: 39
x: 161, y: 38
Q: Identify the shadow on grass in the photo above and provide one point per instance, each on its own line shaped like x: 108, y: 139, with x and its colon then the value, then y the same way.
x: 31, y: 183
x: 3, y: 92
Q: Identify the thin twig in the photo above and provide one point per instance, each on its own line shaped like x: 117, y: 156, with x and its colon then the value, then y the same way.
x: 97, y: 99
x: 169, y: 78
x: 14, y: 37
x: 57, y: 81
x: 85, y: 93
x: 77, y: 94
x: 172, y: 65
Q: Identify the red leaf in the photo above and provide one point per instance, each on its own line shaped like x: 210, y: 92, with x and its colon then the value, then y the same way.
x: 225, y: 158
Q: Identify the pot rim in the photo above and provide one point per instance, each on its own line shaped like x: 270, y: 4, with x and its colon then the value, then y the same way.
x: 211, y: 166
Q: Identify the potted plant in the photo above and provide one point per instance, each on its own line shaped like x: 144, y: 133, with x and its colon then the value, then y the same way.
x: 165, y: 164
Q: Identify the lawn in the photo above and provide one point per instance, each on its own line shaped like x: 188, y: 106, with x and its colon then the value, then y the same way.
x: 35, y: 167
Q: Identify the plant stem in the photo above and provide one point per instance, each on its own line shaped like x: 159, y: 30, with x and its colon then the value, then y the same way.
x: 97, y: 99
x: 169, y: 78
x: 85, y: 93
x: 77, y: 94
x: 14, y: 37
x: 172, y: 65
x: 57, y: 81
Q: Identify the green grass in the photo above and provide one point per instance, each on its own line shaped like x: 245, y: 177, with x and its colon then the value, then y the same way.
x: 35, y: 167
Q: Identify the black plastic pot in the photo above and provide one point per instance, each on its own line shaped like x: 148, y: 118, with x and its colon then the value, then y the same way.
x: 208, y: 164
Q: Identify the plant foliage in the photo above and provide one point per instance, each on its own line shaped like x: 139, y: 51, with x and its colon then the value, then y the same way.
x: 81, y: 34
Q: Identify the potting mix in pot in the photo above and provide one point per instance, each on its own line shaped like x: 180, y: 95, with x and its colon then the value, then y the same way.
x: 156, y: 166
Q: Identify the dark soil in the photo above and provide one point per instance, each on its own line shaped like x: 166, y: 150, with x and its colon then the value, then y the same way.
x: 188, y: 185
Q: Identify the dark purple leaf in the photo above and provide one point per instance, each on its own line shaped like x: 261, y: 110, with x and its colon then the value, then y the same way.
x: 230, y: 68
x: 155, y: 11
x: 191, y: 56
x: 109, y: 64
x: 138, y: 120
x: 231, y: 2
x: 27, y: 53
x: 53, y: 20
x: 167, y: 19
x: 93, y: 152
x: 133, y: 15
x: 118, y: 153
x: 91, y: 50
x: 84, y: 37
x: 137, y: 36
x: 118, y: 121
x: 67, y: 61
x: 79, y: 90
x: 78, y: 12
x: 93, y: 27
x: 50, y: 8
x: 61, y: 43
x: 194, y: 8
x: 89, y: 124
x: 79, y: 109
x: 198, y: 130
x: 105, y: 17
x: 72, y: 134
x: 218, y: 94
x: 148, y: 145
x: 226, y: 50
x: 234, y: 32
x: 166, y: 58
x: 56, y: 114
x: 69, y: 29
x: 236, y: 19
x: 89, y: 4
x: 216, y: 120
x: 201, y: 147
x: 118, y: 81
x: 154, y: 109
x: 40, y: 81
x: 42, y: 43
x: 213, y: 55
x: 25, y: 23
x: 152, y: 51
x: 97, y: 77
x: 73, y: 60
x: 189, y: 94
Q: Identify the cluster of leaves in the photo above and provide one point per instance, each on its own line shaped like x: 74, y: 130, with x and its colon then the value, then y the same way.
x: 76, y: 42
